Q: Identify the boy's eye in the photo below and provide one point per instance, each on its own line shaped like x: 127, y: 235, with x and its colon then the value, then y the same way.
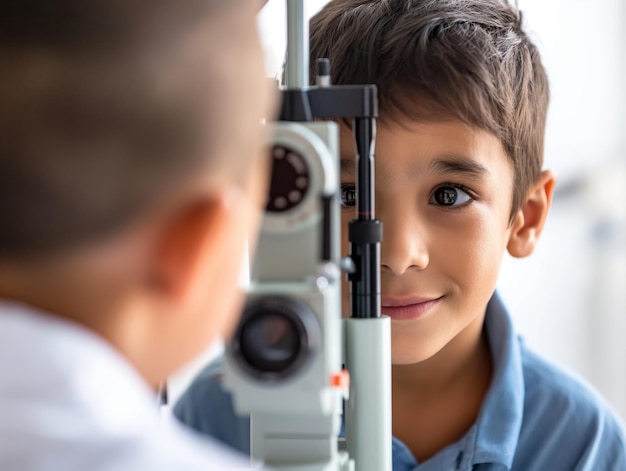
x: 449, y: 195
x: 348, y: 195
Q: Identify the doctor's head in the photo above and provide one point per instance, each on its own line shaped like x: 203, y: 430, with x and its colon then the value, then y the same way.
x: 132, y: 167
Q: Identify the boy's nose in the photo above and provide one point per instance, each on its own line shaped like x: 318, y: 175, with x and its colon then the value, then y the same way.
x: 404, y: 244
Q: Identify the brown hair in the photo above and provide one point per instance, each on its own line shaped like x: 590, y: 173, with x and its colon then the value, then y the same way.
x: 437, y: 59
x: 105, y: 107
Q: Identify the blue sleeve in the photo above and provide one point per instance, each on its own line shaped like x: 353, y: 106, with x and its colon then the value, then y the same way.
x: 208, y: 408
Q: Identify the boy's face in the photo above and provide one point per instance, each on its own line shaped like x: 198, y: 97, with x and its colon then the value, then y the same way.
x: 444, y: 194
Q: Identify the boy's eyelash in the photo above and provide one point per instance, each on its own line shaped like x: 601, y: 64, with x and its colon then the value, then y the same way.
x: 472, y: 195
x: 467, y: 190
x: 344, y: 189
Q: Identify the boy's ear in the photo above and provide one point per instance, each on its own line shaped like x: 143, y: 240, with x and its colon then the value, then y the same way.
x: 192, y: 245
x: 531, y: 217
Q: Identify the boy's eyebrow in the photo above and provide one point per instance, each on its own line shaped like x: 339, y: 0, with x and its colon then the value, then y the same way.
x: 443, y: 165
x: 457, y: 164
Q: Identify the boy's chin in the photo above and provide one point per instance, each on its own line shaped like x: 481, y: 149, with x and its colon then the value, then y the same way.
x: 410, y: 355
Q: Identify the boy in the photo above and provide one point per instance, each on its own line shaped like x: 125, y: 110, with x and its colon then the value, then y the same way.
x: 131, y: 174
x: 459, y: 150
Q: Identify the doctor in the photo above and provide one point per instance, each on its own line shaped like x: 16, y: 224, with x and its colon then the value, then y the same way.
x: 131, y: 174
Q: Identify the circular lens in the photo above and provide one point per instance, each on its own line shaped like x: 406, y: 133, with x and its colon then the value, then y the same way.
x: 275, y: 337
x: 270, y: 342
x: 290, y: 180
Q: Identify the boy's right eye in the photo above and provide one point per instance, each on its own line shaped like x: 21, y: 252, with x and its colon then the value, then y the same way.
x: 348, y: 195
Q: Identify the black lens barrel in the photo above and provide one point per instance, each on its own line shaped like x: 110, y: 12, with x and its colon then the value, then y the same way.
x: 276, y: 336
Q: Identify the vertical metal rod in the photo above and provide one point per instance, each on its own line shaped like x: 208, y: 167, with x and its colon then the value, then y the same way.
x: 365, y: 232
x: 297, y: 65
x: 364, y: 134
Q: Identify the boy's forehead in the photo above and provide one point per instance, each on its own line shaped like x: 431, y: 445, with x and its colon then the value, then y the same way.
x: 449, y: 146
x: 444, y: 133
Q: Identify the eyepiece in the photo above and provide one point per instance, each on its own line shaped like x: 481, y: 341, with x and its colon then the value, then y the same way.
x: 276, y: 336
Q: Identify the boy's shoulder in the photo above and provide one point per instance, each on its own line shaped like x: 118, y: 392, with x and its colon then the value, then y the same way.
x: 565, y: 415
x: 550, y: 388
x: 545, y: 388
x: 537, y: 415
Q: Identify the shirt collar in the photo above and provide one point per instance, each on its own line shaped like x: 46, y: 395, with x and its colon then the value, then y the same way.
x: 55, y: 364
x: 493, y: 437
x: 500, y: 419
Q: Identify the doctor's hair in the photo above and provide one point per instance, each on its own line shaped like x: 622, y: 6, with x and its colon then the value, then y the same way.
x: 107, y: 107
x: 436, y: 60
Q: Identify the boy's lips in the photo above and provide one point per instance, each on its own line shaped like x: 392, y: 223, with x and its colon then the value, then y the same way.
x: 406, y: 308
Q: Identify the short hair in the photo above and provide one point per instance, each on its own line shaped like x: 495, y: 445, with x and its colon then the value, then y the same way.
x: 439, y: 59
x: 103, y: 110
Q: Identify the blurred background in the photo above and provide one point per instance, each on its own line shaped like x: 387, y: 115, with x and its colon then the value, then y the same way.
x: 568, y: 300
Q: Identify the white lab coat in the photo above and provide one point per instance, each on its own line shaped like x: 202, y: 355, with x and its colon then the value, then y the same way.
x: 70, y: 402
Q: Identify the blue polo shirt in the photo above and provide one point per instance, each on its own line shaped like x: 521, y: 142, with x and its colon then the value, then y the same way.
x: 534, y: 417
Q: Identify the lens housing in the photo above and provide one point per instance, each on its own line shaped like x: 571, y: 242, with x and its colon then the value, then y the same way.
x: 303, y: 169
x: 275, y: 338
x: 290, y: 180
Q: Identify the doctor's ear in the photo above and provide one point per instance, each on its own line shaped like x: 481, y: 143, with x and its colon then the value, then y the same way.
x: 531, y: 217
x: 194, y: 247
